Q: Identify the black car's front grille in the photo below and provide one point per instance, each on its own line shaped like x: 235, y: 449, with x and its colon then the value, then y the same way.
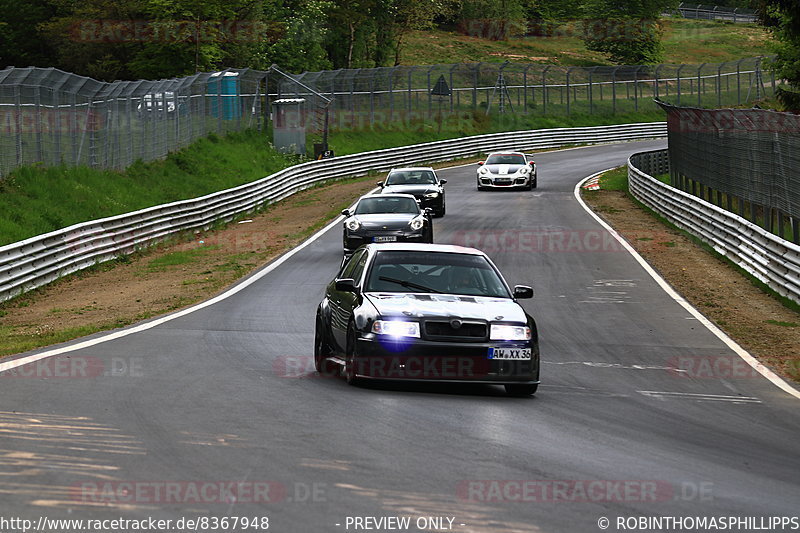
x: 467, y: 332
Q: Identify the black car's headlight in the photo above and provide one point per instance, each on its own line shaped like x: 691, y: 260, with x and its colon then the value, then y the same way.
x: 417, y: 223
x: 396, y: 328
x: 432, y: 195
x: 352, y: 224
x: 504, y: 332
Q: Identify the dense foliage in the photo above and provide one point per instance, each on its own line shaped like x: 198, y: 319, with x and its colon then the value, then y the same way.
x: 783, y: 18
x: 150, y: 39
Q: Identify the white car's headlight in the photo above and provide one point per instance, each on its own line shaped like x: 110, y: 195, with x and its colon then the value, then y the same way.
x: 352, y: 224
x: 483, y: 171
x: 432, y: 195
x: 502, y: 332
x: 396, y: 328
x: 524, y: 170
x: 417, y: 223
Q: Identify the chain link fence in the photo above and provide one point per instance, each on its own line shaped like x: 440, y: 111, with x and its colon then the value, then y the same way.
x: 706, y: 12
x: 745, y: 160
x: 403, y: 94
x: 51, y: 117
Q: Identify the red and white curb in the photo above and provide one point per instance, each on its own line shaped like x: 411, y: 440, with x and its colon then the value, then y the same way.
x: 592, y: 184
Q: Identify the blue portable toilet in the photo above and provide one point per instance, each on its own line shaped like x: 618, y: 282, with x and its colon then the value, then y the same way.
x: 224, y: 95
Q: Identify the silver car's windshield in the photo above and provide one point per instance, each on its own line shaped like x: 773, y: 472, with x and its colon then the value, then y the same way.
x: 505, y: 159
x: 411, y: 177
x: 435, y: 272
x: 386, y: 204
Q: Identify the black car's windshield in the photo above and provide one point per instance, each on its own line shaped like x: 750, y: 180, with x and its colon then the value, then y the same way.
x: 386, y: 204
x: 441, y: 272
x: 411, y: 177
x: 505, y: 159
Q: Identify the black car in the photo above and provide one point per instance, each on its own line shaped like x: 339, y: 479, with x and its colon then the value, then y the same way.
x: 503, y: 170
x: 422, y: 182
x: 385, y: 218
x: 420, y: 312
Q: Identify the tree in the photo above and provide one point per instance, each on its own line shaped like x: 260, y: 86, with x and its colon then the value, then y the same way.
x: 782, y: 17
x: 628, y: 32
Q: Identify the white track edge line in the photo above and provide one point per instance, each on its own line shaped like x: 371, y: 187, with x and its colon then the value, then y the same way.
x: 733, y: 345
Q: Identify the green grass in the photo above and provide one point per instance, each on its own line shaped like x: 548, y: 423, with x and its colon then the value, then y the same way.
x: 685, y: 41
x: 36, y: 200
x: 178, y: 258
x: 615, y: 180
x: 783, y: 324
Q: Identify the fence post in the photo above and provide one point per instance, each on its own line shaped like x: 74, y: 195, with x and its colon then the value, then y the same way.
x: 719, y: 84
x: 569, y: 71
x: 656, y: 84
x: 475, y: 75
x: 591, y: 93
x: 738, y: 82
x: 614, y: 90
x: 636, y: 87
x: 544, y: 89
x: 18, y: 123
x: 525, y: 90
x: 679, y: 83
x: 452, y: 89
x: 699, y: 81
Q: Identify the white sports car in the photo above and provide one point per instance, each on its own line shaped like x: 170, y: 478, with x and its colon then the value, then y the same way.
x: 507, y: 169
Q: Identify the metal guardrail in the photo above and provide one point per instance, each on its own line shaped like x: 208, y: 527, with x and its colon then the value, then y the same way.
x: 706, y: 12
x: 772, y: 260
x: 39, y: 260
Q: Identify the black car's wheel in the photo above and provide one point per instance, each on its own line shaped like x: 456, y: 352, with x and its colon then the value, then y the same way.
x: 442, y: 210
x: 321, y: 350
x: 521, y: 390
x: 350, y: 356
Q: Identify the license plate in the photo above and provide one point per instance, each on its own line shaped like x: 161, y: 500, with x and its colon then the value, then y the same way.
x: 502, y: 181
x: 510, y: 354
x: 385, y: 238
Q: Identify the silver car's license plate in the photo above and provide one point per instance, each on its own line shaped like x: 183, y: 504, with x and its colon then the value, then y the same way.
x: 510, y: 354
x: 385, y: 238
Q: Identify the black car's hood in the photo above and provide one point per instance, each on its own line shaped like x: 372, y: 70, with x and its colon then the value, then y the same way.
x: 416, y: 190
x: 385, y: 220
x: 447, y: 306
x: 503, y: 169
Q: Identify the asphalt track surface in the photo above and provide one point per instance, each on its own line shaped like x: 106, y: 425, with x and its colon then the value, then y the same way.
x: 228, y: 393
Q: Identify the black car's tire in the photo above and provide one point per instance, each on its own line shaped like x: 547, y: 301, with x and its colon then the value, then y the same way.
x: 321, y: 351
x: 521, y: 390
x: 349, y: 356
x: 442, y: 211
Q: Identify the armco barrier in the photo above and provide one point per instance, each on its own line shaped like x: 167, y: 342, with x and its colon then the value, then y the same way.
x: 772, y: 260
x: 39, y: 260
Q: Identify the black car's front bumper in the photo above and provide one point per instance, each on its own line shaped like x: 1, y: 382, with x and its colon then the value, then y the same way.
x: 351, y: 241
x: 407, y: 359
x: 494, y: 181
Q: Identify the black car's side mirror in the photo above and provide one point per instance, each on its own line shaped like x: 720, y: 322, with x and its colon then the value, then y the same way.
x: 442, y: 181
x: 345, y: 285
x: 523, y: 291
x: 346, y: 212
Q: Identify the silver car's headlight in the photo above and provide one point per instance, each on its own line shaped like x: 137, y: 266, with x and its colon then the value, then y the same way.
x: 352, y: 224
x: 417, y: 223
x: 396, y: 328
x: 503, y: 332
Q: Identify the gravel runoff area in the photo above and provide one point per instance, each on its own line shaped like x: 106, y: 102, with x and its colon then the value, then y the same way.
x: 196, y: 266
